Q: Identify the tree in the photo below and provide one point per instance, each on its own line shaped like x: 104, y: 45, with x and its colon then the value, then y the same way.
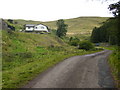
x: 10, y: 21
x: 115, y: 8
x: 61, y: 28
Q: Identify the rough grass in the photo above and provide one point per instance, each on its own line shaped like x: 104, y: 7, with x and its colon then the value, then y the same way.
x: 0, y: 60
x: 21, y: 73
x: 114, y: 62
x: 26, y: 55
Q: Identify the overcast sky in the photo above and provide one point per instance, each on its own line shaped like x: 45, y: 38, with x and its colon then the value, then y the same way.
x: 49, y: 10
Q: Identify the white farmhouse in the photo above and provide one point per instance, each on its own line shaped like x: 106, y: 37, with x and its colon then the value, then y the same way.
x: 36, y: 28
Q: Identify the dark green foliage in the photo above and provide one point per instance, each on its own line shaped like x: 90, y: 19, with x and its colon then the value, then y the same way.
x: 10, y: 21
x: 105, y: 33
x: 14, y: 25
x: 61, y: 28
x: 95, y: 35
x: 10, y: 24
x: 11, y: 27
x: 115, y: 8
x: 86, y: 45
x: 99, y: 34
x: 16, y: 22
x: 110, y: 30
x: 74, y: 41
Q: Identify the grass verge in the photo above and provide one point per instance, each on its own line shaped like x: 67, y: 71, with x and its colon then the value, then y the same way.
x: 20, y: 72
x: 114, y: 62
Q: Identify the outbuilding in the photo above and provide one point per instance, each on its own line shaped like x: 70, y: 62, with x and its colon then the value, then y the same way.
x: 29, y: 27
x: 36, y: 28
x: 3, y: 25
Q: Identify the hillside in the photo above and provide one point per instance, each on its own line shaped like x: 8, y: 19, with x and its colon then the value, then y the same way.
x: 80, y: 25
x: 19, y: 41
x: 25, y: 55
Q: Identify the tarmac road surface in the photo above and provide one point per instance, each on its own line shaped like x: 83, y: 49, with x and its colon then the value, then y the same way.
x: 86, y: 71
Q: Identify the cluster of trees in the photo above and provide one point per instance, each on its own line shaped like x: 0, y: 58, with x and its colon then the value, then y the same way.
x: 106, y: 33
x: 110, y: 30
x: 73, y: 41
x: 10, y: 23
x: 13, y: 25
x: 85, y: 45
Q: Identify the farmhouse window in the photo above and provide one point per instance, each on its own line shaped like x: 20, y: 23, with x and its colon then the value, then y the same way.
x: 42, y: 27
x: 28, y: 27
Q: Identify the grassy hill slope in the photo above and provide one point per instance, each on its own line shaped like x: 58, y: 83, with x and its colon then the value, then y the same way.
x: 20, y: 42
x: 80, y: 25
x: 25, y: 55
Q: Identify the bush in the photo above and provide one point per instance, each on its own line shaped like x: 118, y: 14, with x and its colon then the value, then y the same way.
x: 74, y: 41
x: 86, y: 45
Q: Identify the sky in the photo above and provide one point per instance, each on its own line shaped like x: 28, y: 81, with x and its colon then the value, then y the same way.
x: 50, y: 10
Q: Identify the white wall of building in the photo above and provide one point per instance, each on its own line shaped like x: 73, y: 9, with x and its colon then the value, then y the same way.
x: 40, y: 28
x: 29, y: 28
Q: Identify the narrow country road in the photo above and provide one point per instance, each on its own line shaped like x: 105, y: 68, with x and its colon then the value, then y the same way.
x: 86, y: 71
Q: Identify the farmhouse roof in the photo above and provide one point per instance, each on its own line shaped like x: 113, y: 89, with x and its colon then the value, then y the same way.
x: 29, y: 25
x: 33, y: 25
